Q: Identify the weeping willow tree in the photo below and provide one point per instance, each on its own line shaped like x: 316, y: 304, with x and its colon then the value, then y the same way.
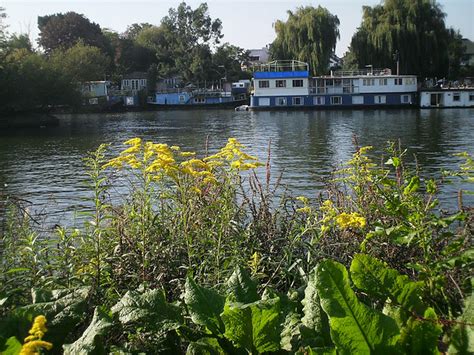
x: 309, y: 35
x: 415, y: 29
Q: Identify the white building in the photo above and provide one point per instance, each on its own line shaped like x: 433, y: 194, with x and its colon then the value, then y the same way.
x: 134, y: 82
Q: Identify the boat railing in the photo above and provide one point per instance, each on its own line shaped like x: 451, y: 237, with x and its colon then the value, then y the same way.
x: 362, y: 72
x: 281, y: 66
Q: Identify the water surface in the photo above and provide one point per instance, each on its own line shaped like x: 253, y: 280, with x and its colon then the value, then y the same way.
x: 45, y: 166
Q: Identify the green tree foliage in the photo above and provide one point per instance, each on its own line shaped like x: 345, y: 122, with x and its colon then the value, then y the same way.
x: 134, y: 29
x: 81, y: 62
x: 230, y: 57
x: 416, y: 29
x: 3, y: 27
x: 182, y: 43
x: 310, y: 35
x: 30, y: 82
x: 63, y: 31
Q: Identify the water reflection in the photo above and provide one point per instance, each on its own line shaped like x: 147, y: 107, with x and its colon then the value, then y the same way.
x: 45, y: 166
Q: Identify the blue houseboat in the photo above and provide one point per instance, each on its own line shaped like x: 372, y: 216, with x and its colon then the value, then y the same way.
x: 206, y: 98
x: 288, y: 85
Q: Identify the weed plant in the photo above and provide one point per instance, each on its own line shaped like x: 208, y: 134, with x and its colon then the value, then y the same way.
x: 186, y: 218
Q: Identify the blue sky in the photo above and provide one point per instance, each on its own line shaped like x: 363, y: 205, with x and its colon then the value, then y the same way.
x: 247, y: 24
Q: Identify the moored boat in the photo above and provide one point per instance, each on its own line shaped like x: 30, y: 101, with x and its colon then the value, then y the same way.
x: 288, y: 85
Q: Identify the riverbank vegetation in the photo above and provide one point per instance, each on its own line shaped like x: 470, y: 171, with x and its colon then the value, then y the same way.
x: 181, y: 252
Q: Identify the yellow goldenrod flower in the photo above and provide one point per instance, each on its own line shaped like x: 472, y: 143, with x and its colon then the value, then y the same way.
x: 133, y: 141
x: 350, y: 220
x: 187, y: 154
x: 305, y: 209
x: 303, y: 199
x: 34, y: 343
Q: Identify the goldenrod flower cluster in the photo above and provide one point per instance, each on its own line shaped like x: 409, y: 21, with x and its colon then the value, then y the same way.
x: 350, y: 220
x: 33, y: 342
x: 306, y: 208
x: 156, y: 161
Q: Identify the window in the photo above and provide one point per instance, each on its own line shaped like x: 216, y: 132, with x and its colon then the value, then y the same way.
x: 336, y: 100
x: 181, y: 98
x: 319, y: 100
x: 368, y: 82
x: 380, y: 99
x: 199, y: 100
x: 297, y: 101
x: 298, y: 83
x: 382, y: 82
x: 405, y: 99
x: 263, y: 84
x: 347, y: 90
x: 280, y: 84
x: 456, y: 96
x: 263, y: 101
x: 471, y: 97
x: 357, y: 99
x: 280, y: 101
x: 398, y: 81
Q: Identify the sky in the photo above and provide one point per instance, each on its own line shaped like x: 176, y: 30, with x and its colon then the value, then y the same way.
x: 247, y: 24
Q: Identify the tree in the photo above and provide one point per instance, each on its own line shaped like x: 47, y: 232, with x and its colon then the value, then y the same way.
x: 65, y: 30
x: 416, y: 29
x: 81, y: 62
x: 230, y: 58
x: 134, y: 29
x: 3, y: 27
x: 30, y: 82
x: 310, y: 35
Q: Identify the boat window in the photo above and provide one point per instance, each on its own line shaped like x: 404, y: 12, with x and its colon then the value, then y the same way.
x: 347, y: 90
x: 263, y: 84
x: 298, y: 83
x: 456, y: 97
x: 281, y: 84
x: 358, y: 99
x: 380, y: 99
x: 368, y: 82
x: 383, y: 82
x: 405, y: 99
x: 297, y: 101
x: 471, y: 97
x: 336, y: 100
x: 398, y: 81
x: 319, y: 100
x: 280, y: 101
x: 181, y: 98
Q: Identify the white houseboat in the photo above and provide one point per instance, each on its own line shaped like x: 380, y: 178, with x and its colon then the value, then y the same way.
x: 287, y: 84
x: 447, y: 97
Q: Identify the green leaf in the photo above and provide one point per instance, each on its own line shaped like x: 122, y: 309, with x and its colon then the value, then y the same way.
x: 317, y: 351
x: 149, y: 307
x: 420, y: 336
x: 205, y: 306
x: 315, y: 331
x: 13, y: 347
x: 91, y: 341
x: 355, y: 328
x: 242, y: 287
x: 412, y: 186
x: 462, y: 339
x: 205, y: 346
x: 376, y: 278
x: 254, y: 326
x: 63, y: 309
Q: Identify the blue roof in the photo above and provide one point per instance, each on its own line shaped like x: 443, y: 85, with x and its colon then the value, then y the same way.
x: 281, y: 74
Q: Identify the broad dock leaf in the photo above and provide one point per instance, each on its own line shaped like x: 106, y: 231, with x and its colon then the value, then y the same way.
x: 242, y: 287
x: 91, y: 341
x: 255, y: 326
x: 205, y: 306
x: 355, y: 328
x: 462, y: 339
x: 420, y: 336
x: 376, y: 278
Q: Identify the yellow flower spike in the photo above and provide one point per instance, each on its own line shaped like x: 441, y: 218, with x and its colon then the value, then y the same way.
x: 34, y: 343
x: 236, y: 164
x: 187, y: 154
x: 303, y: 199
x: 305, y: 209
x: 132, y: 150
x: 350, y: 220
x: 133, y: 141
x: 175, y: 148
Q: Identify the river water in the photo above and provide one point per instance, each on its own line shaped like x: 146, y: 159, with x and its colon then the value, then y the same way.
x: 45, y: 166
